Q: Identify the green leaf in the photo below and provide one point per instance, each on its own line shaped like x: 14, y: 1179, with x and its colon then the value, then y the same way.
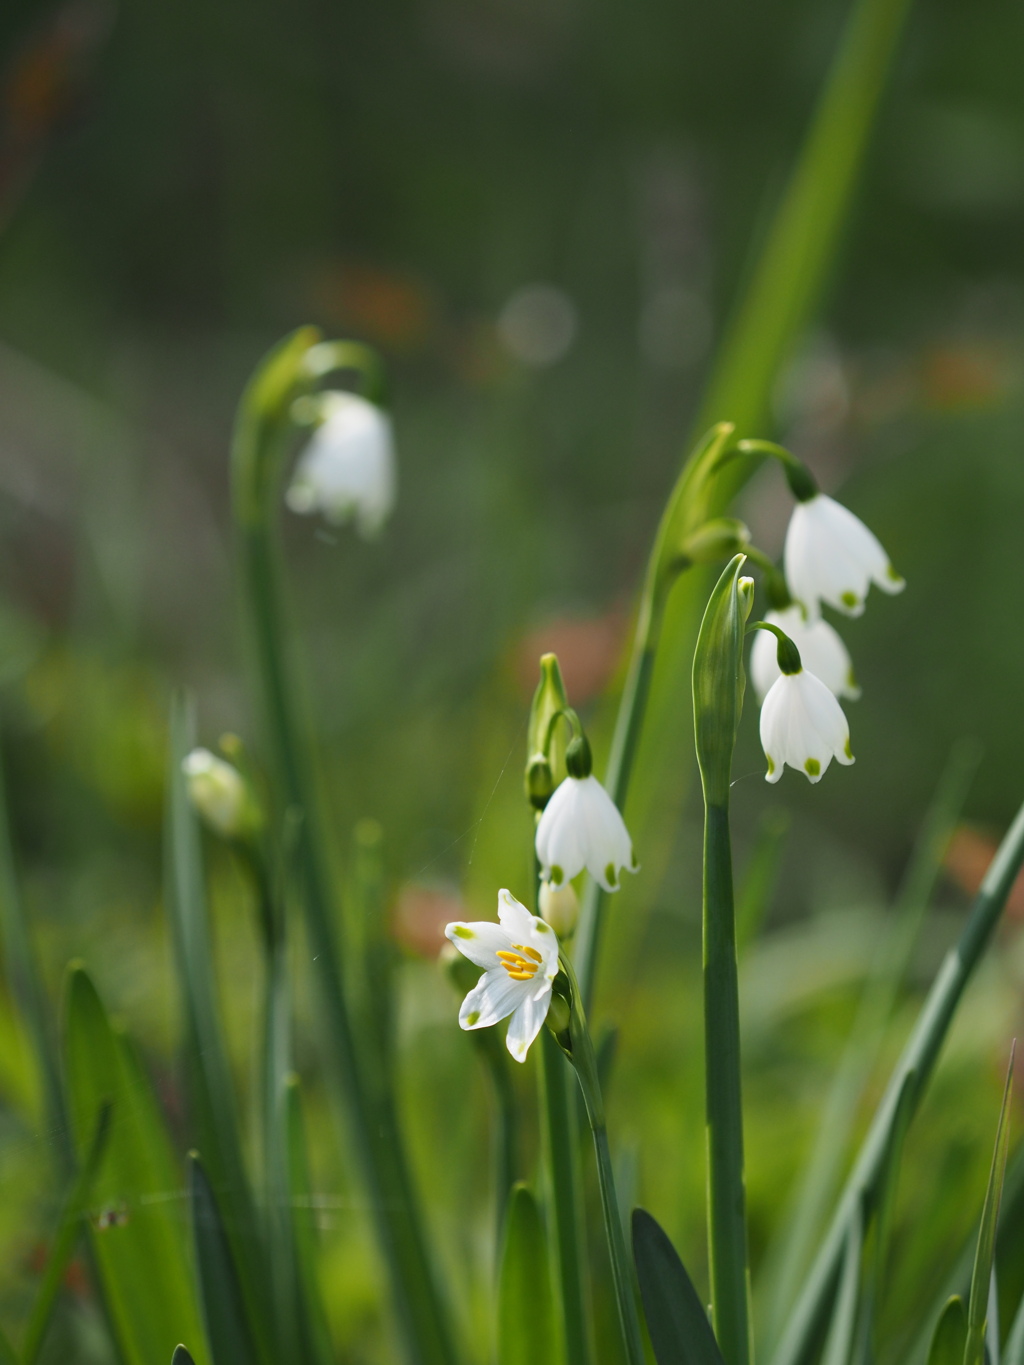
x: 676, y: 1321
x: 227, y: 1327
x: 67, y: 1235
x: 760, y: 875
x: 950, y: 1336
x: 884, y: 1202
x: 140, y: 1250
x: 1014, y: 1353
x: 977, y: 1308
x: 526, y: 1318
x: 718, y: 680
x: 843, y: 1331
x: 215, y: 1129
x: 316, y: 1337
x: 181, y: 1357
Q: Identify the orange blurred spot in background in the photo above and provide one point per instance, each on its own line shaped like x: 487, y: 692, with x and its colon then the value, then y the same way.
x: 967, y: 860
x: 588, y: 649
x: 420, y: 914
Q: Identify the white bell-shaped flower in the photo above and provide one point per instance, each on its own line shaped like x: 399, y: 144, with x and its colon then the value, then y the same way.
x: 821, y: 650
x: 519, y: 957
x: 581, y: 828
x: 218, y: 792
x: 832, y: 557
x: 347, y: 470
x: 803, y: 725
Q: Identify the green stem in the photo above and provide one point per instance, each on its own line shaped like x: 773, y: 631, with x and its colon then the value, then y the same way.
x: 919, y: 1056
x: 621, y: 1261
x: 727, y: 1220
x: 261, y: 440
x: 561, y: 1133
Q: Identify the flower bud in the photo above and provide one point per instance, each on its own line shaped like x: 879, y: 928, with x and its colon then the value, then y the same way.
x: 717, y: 539
x: 221, y: 795
x: 539, y: 781
x: 542, y: 739
x: 559, y: 906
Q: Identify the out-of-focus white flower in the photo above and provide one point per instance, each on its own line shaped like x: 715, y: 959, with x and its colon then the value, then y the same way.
x: 519, y: 957
x: 821, y: 650
x: 347, y: 470
x: 581, y: 828
x: 803, y: 725
x: 559, y: 906
x: 220, y: 794
x: 832, y: 557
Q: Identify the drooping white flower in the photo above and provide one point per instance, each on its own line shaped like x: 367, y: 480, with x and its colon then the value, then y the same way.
x: 219, y: 793
x: 348, y: 468
x: 832, y: 557
x: 803, y: 725
x: 821, y: 650
x: 519, y: 957
x: 581, y: 828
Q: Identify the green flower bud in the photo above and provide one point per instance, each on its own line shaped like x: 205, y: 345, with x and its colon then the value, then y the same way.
x: 543, y: 739
x: 578, y: 760
x: 717, y: 539
x: 539, y: 781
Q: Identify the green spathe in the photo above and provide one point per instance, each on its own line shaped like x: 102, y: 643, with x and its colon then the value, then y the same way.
x: 718, y: 679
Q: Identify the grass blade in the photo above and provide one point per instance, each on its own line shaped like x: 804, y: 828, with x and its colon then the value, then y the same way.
x: 312, y: 1318
x: 181, y: 1357
x: 227, y: 1325
x: 206, y: 1071
x: 140, y: 1250
x: 919, y: 1055
x: 526, y: 1335
x: 977, y: 1307
x: 1014, y: 1354
x: 67, y: 1235
x: 950, y: 1335
x: 676, y: 1320
x: 843, y: 1332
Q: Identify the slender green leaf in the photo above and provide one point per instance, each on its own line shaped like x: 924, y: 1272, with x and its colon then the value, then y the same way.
x: 920, y: 1054
x: 227, y: 1326
x: 181, y: 1357
x: 843, y: 1332
x: 68, y: 1230
x: 786, y: 1261
x: 950, y: 1336
x: 312, y: 1318
x: 526, y: 1317
x: 139, y: 1239
x: 676, y: 1321
x: 884, y: 1204
x: 977, y: 1307
x: 206, y: 1071
x: 1014, y: 1353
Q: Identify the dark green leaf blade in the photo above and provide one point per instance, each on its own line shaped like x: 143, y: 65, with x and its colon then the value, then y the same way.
x: 526, y: 1320
x: 181, y: 1357
x: 140, y: 1251
x: 227, y: 1327
x: 1014, y: 1353
x: 950, y: 1336
x: 977, y: 1308
x: 676, y: 1321
x: 316, y: 1337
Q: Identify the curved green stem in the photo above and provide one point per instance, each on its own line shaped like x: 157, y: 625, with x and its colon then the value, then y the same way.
x: 261, y: 439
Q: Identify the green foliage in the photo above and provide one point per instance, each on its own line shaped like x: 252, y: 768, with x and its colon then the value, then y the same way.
x: 950, y: 1338
x: 139, y: 1247
x: 676, y: 1321
x: 228, y: 1330
x: 981, y: 1279
x: 526, y: 1332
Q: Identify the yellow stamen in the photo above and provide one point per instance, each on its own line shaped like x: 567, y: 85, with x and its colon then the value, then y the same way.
x: 521, y: 964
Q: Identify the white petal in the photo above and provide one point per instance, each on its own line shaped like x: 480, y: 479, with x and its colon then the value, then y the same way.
x: 560, y: 834
x: 493, y: 997
x: 771, y: 727
x: 608, y: 845
x: 825, y: 714
x: 764, y: 666
x: 516, y: 920
x: 479, y: 941
x: 526, y: 1023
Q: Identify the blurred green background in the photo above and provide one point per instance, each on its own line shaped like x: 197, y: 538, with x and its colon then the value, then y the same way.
x: 540, y: 211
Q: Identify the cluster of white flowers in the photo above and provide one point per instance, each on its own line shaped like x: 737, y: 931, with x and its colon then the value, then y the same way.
x: 830, y: 556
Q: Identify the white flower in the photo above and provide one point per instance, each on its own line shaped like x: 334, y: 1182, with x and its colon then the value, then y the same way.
x: 348, y: 467
x: 581, y: 828
x: 519, y: 956
x: 803, y: 725
x: 821, y: 651
x: 832, y: 557
x: 219, y: 793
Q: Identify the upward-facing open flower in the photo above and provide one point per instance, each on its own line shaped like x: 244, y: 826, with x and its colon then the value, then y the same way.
x: 821, y: 650
x: 803, y: 725
x: 519, y: 956
x: 581, y: 828
x: 348, y: 467
x: 832, y: 557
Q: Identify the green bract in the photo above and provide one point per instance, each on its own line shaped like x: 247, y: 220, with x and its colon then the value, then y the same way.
x: 719, y: 680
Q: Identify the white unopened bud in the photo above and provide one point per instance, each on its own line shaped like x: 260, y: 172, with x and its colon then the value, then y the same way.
x: 560, y: 907
x: 220, y: 794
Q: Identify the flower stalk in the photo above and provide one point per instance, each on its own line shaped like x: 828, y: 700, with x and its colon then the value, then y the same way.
x: 262, y: 437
